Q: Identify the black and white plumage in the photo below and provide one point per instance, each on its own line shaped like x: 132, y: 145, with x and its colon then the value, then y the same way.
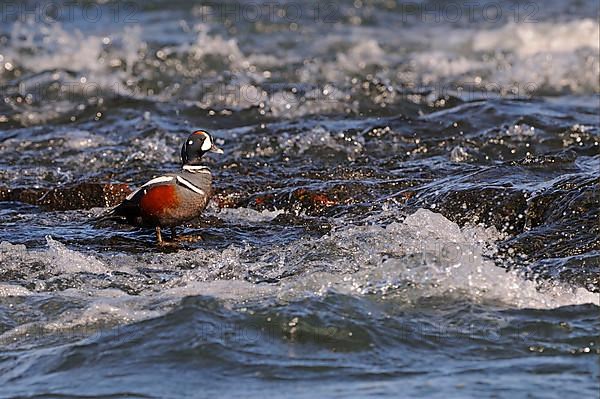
x: 175, y: 198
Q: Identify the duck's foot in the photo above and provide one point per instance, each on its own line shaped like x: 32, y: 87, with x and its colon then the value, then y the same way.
x: 169, y: 245
x: 188, y: 238
x: 162, y: 243
x: 165, y: 245
x: 185, y: 238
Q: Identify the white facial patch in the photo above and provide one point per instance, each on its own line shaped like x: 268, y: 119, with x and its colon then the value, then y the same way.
x: 207, y: 144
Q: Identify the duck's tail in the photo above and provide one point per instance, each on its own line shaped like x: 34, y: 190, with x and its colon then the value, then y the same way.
x: 112, y: 214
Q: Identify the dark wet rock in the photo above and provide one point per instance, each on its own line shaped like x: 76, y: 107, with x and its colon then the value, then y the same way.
x: 582, y: 270
x: 560, y: 237
x: 10, y: 275
x: 309, y: 201
x: 294, y: 200
x: 502, y: 207
x: 79, y: 196
x: 567, y: 200
x: 227, y: 198
x: 318, y: 225
x: 547, y: 160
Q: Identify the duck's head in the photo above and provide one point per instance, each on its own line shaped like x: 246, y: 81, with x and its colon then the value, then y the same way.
x: 196, y: 145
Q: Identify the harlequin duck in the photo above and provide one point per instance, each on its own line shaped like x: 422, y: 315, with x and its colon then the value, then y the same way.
x: 175, y: 198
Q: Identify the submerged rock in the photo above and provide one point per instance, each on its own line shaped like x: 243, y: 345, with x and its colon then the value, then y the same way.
x: 79, y: 196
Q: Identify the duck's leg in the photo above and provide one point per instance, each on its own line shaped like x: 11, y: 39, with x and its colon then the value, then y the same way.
x: 159, y: 236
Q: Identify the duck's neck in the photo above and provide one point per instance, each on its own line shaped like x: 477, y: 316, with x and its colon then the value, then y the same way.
x: 195, y: 168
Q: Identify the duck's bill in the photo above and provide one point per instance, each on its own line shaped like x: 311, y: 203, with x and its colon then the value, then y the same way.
x: 216, y: 149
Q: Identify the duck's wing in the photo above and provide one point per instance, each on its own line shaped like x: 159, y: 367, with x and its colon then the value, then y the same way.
x: 130, y: 207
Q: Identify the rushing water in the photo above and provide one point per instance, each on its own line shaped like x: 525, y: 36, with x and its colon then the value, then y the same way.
x: 408, y: 204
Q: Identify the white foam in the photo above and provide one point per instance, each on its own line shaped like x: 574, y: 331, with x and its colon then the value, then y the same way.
x: 50, y: 47
x: 322, y: 142
x: 240, y: 215
x: 511, y: 59
x: 364, y: 53
x: 235, y: 291
x: 521, y: 57
x: 423, y: 256
x: 13, y: 290
x: 62, y: 259
x: 543, y: 37
x: 428, y: 255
